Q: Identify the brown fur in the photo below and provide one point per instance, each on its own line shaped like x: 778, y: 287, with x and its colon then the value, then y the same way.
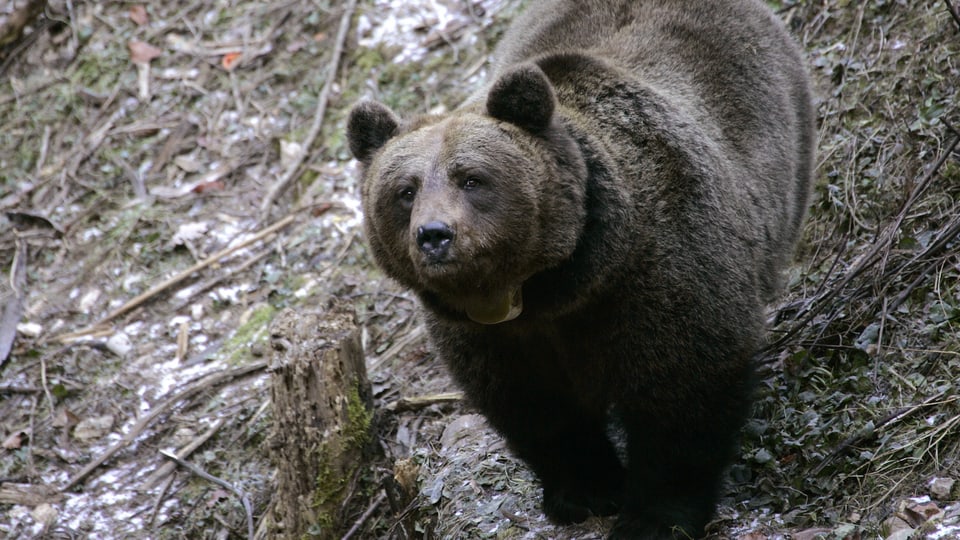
x: 638, y: 170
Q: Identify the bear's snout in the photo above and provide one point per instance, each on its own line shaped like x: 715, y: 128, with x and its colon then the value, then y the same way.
x: 434, y: 239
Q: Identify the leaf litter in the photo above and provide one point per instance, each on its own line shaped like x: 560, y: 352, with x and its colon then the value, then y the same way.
x: 856, y: 422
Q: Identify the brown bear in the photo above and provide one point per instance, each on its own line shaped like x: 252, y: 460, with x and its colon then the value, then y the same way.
x: 594, y: 235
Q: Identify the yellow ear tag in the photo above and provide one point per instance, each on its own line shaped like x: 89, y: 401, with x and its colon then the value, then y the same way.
x: 503, y: 308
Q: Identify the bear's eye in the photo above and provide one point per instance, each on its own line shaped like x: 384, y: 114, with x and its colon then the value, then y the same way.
x: 472, y: 182
x: 407, y: 194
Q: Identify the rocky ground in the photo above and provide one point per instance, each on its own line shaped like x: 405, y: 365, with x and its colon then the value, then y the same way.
x: 173, y: 174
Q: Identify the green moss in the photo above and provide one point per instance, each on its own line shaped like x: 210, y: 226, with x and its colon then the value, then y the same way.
x: 256, y: 330
x: 358, y: 420
x: 329, y: 484
x: 328, y: 490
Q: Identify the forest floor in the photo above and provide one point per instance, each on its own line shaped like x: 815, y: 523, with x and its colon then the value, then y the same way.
x: 172, y: 174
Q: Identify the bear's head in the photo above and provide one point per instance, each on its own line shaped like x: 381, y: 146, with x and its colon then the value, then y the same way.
x: 467, y: 206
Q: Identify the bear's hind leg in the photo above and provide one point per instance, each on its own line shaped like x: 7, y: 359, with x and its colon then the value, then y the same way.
x: 673, y: 481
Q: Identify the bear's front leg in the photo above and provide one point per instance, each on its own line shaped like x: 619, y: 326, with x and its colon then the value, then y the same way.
x: 567, y: 449
x: 563, y: 442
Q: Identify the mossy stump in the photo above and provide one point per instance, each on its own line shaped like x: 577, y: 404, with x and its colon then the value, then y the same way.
x: 322, y: 409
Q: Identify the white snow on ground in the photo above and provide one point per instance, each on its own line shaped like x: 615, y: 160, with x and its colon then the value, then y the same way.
x: 408, y: 26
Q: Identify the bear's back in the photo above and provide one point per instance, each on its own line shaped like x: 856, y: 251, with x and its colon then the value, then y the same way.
x: 727, y: 65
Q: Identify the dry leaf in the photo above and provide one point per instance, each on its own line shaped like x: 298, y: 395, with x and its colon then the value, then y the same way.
x: 216, y: 496
x: 93, y: 428
x: 65, y: 418
x: 142, y: 52
x: 138, y: 14
x: 321, y: 209
x: 15, y: 440
x: 810, y: 534
x: 204, y: 187
x: 230, y: 60
x: 920, y: 513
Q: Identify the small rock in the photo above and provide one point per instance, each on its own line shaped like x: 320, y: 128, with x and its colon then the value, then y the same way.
x: 921, y: 513
x: 45, y: 514
x: 459, y: 428
x: 29, y: 329
x: 93, y: 428
x: 119, y: 344
x: 189, y: 232
x: 88, y: 300
x: 894, y: 525
x: 941, y: 488
x: 290, y: 151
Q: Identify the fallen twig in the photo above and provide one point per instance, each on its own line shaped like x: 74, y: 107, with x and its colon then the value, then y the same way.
x: 157, y: 289
x: 4, y: 389
x: 318, y: 116
x: 159, y: 500
x: 28, y: 494
x: 953, y: 12
x: 223, y: 274
x: 184, y: 453
x: 870, y: 432
x: 223, y: 483
x: 365, y: 516
x: 420, y: 402
x: 402, y: 343
x: 214, y: 379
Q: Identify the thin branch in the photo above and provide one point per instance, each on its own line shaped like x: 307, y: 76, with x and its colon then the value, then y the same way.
x: 214, y: 379
x: 157, y: 289
x: 872, y: 257
x: 318, y: 117
x: 421, y: 402
x: 366, y: 515
x: 953, y: 12
x: 223, y: 483
x: 184, y: 453
x: 869, y: 433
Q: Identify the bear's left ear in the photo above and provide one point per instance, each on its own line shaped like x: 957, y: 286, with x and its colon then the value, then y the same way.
x: 370, y: 125
x: 522, y: 95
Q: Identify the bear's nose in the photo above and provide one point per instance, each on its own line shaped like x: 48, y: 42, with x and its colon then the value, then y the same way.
x: 434, y: 239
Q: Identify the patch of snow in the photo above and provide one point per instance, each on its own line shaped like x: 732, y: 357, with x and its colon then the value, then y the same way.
x: 231, y: 294
x: 945, y: 531
x: 88, y: 300
x: 189, y: 232
x: 178, y: 320
x: 408, y: 25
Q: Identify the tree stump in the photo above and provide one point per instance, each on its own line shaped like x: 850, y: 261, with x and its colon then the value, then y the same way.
x: 322, y: 405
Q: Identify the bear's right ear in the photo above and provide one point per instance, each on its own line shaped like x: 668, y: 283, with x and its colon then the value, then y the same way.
x: 523, y: 96
x: 370, y: 125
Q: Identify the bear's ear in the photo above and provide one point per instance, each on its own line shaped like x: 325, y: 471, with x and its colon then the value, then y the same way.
x: 523, y: 96
x: 370, y: 125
